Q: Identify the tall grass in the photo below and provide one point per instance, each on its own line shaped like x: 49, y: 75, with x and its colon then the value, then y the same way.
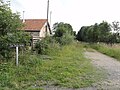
x: 66, y: 67
x: 69, y: 68
x: 112, y: 51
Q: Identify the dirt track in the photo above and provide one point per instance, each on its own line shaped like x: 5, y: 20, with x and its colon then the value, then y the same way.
x: 112, y: 68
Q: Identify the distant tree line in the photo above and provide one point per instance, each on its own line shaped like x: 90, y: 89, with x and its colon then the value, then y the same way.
x: 99, y: 33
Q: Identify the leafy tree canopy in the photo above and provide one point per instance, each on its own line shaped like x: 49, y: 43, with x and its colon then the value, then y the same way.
x: 62, y: 28
x: 94, y: 33
x: 10, y: 33
x: 64, y: 33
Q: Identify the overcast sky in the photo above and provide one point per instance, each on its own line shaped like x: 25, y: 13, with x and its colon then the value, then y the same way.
x: 75, y: 12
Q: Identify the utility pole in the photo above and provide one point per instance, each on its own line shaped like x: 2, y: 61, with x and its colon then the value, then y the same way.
x: 50, y: 17
x: 47, y: 11
x: 47, y: 16
x: 23, y: 16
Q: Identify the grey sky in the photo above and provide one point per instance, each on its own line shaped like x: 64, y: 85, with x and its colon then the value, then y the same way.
x: 76, y: 12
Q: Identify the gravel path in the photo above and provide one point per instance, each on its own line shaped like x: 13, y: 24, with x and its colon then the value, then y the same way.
x: 110, y: 65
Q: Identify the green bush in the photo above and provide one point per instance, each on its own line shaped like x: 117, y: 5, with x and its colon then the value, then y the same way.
x: 4, y: 75
x: 41, y: 46
x: 45, y: 45
x: 10, y: 31
x: 48, y: 44
x: 65, y: 39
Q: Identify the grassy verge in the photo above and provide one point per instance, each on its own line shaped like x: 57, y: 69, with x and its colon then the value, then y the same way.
x: 67, y: 67
x: 112, y: 51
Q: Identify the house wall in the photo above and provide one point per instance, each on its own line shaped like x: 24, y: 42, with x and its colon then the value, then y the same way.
x: 38, y: 35
x: 43, y: 31
x: 35, y: 34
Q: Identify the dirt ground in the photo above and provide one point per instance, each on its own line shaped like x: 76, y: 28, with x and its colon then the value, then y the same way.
x: 112, y: 68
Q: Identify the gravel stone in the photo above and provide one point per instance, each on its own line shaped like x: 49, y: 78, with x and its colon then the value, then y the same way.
x: 110, y: 65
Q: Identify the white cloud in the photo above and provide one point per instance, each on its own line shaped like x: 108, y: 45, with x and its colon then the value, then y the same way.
x: 75, y: 12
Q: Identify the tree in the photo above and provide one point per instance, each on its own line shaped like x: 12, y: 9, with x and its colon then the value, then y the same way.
x: 115, y: 26
x: 116, y: 31
x: 61, y: 28
x: 104, y: 31
x: 85, y: 34
x: 94, y: 33
x: 10, y: 25
x: 63, y: 33
x: 80, y: 34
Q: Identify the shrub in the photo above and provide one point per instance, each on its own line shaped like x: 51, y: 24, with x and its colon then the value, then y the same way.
x: 41, y: 46
x: 45, y: 45
x: 65, y: 39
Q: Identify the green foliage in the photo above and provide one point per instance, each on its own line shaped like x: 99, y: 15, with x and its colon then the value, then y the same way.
x: 19, y: 37
x: 45, y: 45
x: 95, y: 33
x: 108, y: 50
x: 19, y: 78
x: 66, y: 39
x: 62, y: 28
x: 10, y: 24
x: 4, y: 75
x: 64, y: 33
x: 67, y: 68
x: 100, y: 33
x: 41, y: 46
x: 63, y: 36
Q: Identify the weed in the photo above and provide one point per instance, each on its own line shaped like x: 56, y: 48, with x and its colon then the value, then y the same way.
x: 67, y: 67
x: 108, y: 50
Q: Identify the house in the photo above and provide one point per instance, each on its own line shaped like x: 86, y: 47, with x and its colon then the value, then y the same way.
x: 37, y: 28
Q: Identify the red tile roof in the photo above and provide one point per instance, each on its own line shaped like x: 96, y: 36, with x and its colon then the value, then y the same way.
x: 34, y: 24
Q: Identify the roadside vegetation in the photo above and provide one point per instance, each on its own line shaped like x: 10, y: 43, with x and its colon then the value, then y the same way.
x: 56, y: 61
x: 67, y: 67
x: 100, y: 33
x: 112, y: 51
x: 103, y: 37
x: 10, y: 31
